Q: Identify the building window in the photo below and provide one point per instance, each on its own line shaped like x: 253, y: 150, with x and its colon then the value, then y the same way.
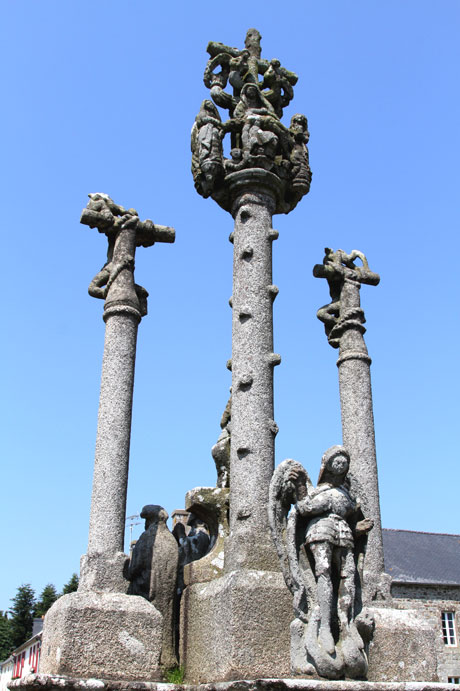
x: 453, y: 680
x: 448, y: 628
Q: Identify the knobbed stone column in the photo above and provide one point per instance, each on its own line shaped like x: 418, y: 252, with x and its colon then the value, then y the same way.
x: 252, y: 450
x: 344, y: 324
x: 100, y: 631
x: 268, y: 173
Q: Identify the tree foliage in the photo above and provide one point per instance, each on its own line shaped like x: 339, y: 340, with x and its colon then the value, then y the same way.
x: 22, y: 614
x: 48, y: 596
x: 71, y: 586
x: 6, y: 641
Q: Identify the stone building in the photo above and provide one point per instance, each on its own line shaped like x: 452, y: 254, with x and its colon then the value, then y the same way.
x: 425, y: 568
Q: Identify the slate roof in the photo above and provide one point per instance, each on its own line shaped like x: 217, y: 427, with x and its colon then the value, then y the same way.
x: 413, y: 557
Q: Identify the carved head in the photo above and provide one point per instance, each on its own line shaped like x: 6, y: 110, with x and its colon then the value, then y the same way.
x: 210, y: 109
x: 299, y: 122
x: 196, y: 523
x: 153, y: 513
x: 252, y: 42
x: 251, y: 96
x: 334, y: 465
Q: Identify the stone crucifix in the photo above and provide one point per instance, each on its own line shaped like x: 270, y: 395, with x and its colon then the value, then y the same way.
x: 344, y: 320
x: 125, y: 305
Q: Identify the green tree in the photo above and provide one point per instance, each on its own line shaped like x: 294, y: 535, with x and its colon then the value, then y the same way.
x: 71, y: 586
x: 6, y: 641
x: 48, y: 596
x: 22, y: 614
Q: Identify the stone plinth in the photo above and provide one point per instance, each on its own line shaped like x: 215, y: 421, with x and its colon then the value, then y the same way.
x: 42, y: 682
x: 236, y: 626
x: 108, y: 635
x: 404, y: 646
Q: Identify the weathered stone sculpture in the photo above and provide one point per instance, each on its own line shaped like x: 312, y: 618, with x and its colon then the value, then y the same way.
x: 128, y: 629
x: 344, y: 325
x: 221, y: 449
x: 260, y: 89
x: 153, y: 572
x: 267, y: 173
x: 320, y: 548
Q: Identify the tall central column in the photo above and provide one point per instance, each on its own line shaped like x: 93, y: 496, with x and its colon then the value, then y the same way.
x: 268, y: 173
x: 253, y: 427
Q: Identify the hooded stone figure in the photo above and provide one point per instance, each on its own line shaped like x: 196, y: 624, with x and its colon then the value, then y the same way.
x: 153, y: 574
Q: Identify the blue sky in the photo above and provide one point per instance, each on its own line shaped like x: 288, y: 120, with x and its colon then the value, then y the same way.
x: 101, y: 96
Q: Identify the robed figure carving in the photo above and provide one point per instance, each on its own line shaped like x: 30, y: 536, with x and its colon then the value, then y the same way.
x: 321, y: 544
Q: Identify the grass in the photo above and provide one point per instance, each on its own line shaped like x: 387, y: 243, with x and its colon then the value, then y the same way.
x: 174, y: 675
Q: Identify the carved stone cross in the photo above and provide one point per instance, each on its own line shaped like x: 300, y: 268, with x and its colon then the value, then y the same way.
x: 125, y: 305
x: 344, y: 319
x: 114, y: 283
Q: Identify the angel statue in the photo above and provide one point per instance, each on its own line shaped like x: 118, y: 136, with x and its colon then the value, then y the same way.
x: 321, y: 545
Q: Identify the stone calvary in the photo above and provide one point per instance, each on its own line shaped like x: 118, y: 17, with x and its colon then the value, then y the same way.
x: 271, y: 578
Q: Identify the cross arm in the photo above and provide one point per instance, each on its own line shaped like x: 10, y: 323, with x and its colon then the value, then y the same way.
x: 147, y: 232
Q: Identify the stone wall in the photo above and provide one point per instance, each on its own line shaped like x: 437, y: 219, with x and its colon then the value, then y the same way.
x: 434, y: 599
x: 415, y: 591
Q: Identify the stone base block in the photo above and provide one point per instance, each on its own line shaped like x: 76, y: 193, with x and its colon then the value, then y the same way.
x: 43, y: 682
x: 236, y: 627
x: 102, y: 635
x: 404, y: 646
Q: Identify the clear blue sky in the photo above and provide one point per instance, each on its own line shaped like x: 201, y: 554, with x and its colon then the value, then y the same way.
x: 101, y: 95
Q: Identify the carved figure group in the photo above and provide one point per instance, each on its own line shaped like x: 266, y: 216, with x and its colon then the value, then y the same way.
x: 320, y: 547
x: 110, y: 218
x: 337, y: 267
x: 260, y: 91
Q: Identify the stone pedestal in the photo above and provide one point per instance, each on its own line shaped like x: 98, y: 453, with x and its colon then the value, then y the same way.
x: 236, y: 627
x: 102, y: 635
x: 404, y: 646
x: 40, y: 682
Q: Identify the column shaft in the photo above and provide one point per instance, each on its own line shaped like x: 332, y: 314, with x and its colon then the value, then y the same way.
x: 110, y: 481
x: 253, y: 427
x: 358, y: 426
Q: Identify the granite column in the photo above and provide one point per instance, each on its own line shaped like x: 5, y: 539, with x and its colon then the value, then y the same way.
x: 237, y: 626
x: 252, y: 451
x: 100, y: 631
x: 344, y: 321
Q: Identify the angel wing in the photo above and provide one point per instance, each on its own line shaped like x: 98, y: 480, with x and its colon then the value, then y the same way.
x: 289, y: 483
